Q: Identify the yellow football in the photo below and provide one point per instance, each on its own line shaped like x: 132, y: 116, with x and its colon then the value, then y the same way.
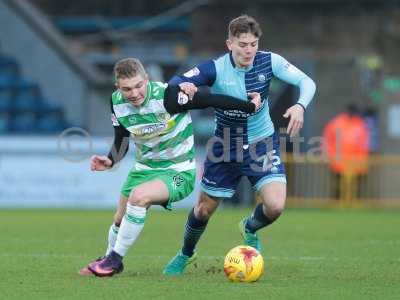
x: 243, y: 264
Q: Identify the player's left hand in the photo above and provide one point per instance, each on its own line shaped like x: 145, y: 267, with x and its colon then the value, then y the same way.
x: 189, y: 89
x: 295, y: 114
x: 256, y: 99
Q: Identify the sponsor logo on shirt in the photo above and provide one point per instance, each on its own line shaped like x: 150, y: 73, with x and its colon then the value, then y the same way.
x: 148, y: 131
x: 236, y: 113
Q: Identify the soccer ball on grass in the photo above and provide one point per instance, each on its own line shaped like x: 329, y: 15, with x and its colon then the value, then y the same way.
x: 243, y: 264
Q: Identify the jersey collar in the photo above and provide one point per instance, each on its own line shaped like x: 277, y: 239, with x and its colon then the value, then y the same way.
x: 148, y: 93
x: 237, y: 68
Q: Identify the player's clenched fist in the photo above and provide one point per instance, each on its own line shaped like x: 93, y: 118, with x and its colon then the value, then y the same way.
x: 188, y: 88
x: 100, y: 163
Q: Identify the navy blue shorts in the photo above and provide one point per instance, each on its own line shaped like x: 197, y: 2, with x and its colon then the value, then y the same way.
x: 260, y: 162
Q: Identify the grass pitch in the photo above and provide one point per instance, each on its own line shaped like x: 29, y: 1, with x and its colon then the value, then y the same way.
x: 309, y: 254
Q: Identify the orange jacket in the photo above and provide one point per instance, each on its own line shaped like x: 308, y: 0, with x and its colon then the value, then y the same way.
x: 346, y: 143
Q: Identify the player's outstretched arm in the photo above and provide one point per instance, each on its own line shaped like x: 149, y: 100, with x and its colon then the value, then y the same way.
x: 120, y: 145
x: 118, y: 149
x: 177, y: 101
x: 292, y: 75
x: 117, y: 152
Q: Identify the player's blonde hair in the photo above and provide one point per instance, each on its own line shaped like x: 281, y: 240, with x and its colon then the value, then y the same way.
x: 128, y: 68
x: 244, y: 24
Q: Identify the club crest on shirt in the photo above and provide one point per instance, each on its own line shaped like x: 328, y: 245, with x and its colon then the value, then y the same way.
x: 192, y: 72
x: 163, y: 117
x: 132, y: 119
x: 177, y: 179
x: 261, y: 78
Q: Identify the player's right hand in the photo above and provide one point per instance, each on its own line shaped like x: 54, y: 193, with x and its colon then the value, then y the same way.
x: 256, y: 99
x: 188, y: 88
x: 100, y: 163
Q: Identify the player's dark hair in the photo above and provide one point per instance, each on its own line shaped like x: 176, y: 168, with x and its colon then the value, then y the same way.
x: 244, y: 24
x: 128, y: 68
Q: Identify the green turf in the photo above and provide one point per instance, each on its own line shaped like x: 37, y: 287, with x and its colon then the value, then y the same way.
x: 309, y: 254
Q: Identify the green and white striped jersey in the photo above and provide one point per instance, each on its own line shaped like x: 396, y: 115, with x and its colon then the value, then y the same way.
x: 161, y: 141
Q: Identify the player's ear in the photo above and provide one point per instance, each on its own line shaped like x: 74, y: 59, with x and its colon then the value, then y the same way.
x: 229, y: 44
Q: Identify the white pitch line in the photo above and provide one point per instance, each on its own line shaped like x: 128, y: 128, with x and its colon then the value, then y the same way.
x: 207, y: 257
x: 215, y: 258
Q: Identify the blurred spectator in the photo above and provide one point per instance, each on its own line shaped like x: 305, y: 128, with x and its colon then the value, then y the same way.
x: 371, y: 69
x: 370, y: 116
x: 347, y: 139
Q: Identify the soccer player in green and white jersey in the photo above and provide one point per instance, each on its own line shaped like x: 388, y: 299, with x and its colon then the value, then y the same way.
x: 156, y: 116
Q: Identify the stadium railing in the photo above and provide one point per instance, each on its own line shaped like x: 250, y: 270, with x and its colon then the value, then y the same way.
x: 312, y: 183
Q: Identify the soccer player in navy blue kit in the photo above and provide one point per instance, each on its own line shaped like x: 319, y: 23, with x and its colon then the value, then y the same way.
x: 252, y: 149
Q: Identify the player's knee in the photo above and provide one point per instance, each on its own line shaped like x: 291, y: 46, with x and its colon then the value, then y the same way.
x: 202, y: 212
x: 139, y: 197
x: 275, y: 209
x: 205, y: 207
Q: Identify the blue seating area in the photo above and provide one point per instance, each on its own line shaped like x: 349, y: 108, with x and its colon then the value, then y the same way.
x: 23, y: 108
x: 92, y: 23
